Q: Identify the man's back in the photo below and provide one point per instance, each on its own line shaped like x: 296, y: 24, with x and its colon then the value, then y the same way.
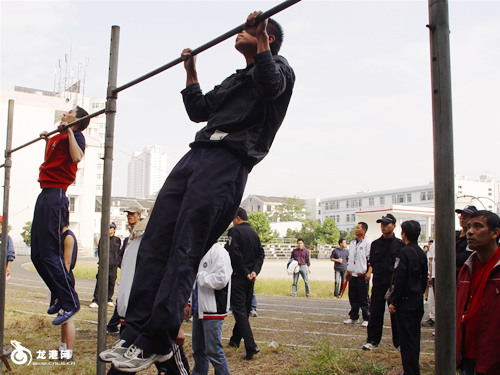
x: 246, y: 110
x: 245, y: 249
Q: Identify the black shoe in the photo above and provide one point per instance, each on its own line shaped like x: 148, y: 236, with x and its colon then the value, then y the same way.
x: 54, y: 308
x: 250, y: 355
x: 232, y: 344
x: 429, y: 323
x: 112, y: 329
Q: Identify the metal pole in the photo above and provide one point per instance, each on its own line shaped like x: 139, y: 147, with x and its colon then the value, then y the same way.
x: 444, y: 187
x: 229, y: 34
x: 106, y: 198
x: 5, y: 223
x: 100, y: 112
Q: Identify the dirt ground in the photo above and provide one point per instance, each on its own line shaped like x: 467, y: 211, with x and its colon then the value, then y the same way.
x: 296, y: 324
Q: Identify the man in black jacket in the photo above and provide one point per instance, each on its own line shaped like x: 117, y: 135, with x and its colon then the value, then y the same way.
x: 463, y: 253
x: 114, y: 248
x: 247, y: 256
x: 407, y: 302
x: 202, y: 193
x: 383, y: 254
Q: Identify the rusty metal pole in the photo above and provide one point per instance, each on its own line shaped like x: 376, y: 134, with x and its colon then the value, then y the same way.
x: 106, y: 198
x: 444, y: 187
x: 5, y: 221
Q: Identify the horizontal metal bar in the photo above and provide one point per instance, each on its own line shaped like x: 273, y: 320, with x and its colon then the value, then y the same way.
x: 57, y: 131
x: 221, y: 38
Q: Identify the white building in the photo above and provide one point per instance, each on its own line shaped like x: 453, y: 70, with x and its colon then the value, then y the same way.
x: 34, y: 112
x: 272, y: 207
x: 347, y: 210
x: 147, y: 171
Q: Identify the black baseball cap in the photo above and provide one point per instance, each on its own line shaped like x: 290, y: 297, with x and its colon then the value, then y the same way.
x: 389, y: 218
x: 469, y: 210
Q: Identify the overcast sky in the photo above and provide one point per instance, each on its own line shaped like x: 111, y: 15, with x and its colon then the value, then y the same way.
x: 360, y: 115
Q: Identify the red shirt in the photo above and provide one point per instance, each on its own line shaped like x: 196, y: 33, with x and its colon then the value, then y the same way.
x: 58, y: 170
x: 470, y: 341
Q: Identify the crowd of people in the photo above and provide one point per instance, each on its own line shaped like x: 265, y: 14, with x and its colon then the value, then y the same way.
x: 403, y: 277
x: 173, y: 269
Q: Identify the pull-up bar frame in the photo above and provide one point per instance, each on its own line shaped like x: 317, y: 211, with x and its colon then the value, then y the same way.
x: 443, y: 171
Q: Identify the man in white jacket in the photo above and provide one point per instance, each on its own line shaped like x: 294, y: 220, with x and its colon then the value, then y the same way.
x: 208, y: 305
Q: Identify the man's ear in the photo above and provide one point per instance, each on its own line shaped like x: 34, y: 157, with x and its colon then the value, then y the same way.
x: 495, y: 233
x: 271, y: 39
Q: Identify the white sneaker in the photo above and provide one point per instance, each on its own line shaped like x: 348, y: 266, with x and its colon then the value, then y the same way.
x: 369, y: 346
x: 111, y: 304
x: 365, y: 323
x: 117, y: 350
x: 253, y: 313
x: 93, y: 305
x: 135, y: 359
x: 350, y: 321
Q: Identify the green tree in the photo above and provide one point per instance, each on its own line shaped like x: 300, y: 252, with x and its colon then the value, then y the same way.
x: 290, y: 233
x: 328, y: 233
x: 309, y: 232
x: 259, y: 222
x: 350, y: 236
x: 26, y: 233
x: 292, y: 209
x: 343, y: 234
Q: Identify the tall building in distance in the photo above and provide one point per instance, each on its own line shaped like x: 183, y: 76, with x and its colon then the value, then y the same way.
x: 147, y: 172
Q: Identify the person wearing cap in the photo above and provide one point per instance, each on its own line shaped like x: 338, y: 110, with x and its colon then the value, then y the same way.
x: 114, y: 247
x: 63, y: 152
x: 11, y: 255
x: 383, y: 254
x: 133, y: 217
x: 462, y: 251
x: 357, y: 266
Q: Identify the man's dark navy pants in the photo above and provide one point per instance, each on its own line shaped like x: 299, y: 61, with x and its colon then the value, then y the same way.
x: 47, y: 253
x: 196, y: 204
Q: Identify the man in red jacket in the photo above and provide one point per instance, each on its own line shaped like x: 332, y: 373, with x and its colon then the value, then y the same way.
x: 63, y: 152
x: 478, y: 307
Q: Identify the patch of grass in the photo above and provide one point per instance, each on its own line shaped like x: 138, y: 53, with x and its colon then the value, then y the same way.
x: 82, y: 270
x: 283, y: 287
x: 337, y: 361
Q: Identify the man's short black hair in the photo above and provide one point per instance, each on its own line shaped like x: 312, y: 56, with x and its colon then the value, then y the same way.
x: 363, y: 225
x: 242, y: 214
x: 492, y: 219
x: 80, y: 112
x: 411, y: 229
x: 341, y: 240
x: 274, y: 28
x: 299, y: 239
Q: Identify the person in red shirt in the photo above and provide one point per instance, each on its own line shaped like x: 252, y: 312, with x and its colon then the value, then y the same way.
x: 478, y: 307
x: 63, y: 152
